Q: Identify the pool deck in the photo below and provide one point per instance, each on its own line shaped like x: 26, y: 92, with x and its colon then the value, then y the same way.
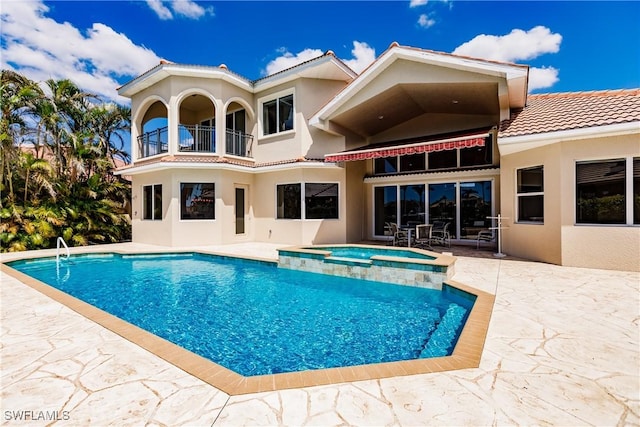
x: 563, y: 348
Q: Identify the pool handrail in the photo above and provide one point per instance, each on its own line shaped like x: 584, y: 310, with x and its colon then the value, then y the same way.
x: 59, y: 241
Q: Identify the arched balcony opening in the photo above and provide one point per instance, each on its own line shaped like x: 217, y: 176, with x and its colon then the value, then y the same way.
x: 154, y: 136
x: 197, y: 129
x: 237, y: 141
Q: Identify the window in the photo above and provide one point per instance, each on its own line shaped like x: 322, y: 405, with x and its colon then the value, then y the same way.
x: 320, y: 201
x: 385, y: 207
x: 385, y: 165
x: 277, y: 115
x: 412, y: 205
x: 530, y: 194
x: 152, y: 202
x: 608, y: 191
x: 197, y: 201
x: 447, y: 159
x: 412, y: 162
x: 288, y: 201
x: 471, y: 157
x: 477, y: 156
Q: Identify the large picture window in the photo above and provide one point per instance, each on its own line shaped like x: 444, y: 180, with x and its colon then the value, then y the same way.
x: 530, y: 194
x: 288, y: 201
x: 152, y: 202
x: 197, y: 200
x: 601, y: 192
x: 320, y: 201
x: 277, y: 115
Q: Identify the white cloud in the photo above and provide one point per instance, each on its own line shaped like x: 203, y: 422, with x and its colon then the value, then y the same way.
x: 186, y: 8
x: 363, y: 56
x: 425, y: 22
x: 288, y: 60
x: 518, y: 45
x: 540, y: 78
x: 42, y: 48
x: 417, y: 3
x: 160, y: 9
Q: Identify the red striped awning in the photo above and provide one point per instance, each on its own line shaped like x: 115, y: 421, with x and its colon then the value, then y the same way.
x: 401, y: 150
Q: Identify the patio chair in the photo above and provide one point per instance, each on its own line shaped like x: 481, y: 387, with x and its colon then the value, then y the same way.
x: 399, y: 237
x: 440, y: 233
x: 423, y: 236
x: 485, y: 236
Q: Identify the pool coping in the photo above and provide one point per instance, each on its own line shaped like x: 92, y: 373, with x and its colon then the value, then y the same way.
x: 467, y: 353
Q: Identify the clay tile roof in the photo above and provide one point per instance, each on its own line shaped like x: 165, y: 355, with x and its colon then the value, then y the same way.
x: 217, y: 159
x: 555, y: 112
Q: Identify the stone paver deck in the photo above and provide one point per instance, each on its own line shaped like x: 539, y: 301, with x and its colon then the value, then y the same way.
x: 562, y: 349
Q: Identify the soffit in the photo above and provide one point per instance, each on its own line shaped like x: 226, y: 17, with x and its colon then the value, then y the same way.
x: 406, y: 101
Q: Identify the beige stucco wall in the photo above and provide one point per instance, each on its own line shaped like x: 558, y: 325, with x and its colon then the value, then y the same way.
x: 296, y: 231
x: 560, y: 240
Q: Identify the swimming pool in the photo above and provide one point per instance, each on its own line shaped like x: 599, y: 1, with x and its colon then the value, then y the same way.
x: 255, y: 318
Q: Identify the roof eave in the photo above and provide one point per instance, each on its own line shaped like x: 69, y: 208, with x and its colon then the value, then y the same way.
x: 515, y: 75
x: 515, y: 144
x: 164, y: 70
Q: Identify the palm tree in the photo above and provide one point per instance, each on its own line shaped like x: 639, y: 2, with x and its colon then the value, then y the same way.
x: 66, y: 174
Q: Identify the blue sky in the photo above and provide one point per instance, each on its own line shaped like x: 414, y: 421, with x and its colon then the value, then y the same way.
x: 570, y: 46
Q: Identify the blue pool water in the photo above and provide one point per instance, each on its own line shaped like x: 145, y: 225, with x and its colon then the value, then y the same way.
x: 361, y: 252
x: 255, y: 318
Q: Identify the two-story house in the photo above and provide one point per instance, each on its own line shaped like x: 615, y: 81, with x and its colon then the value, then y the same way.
x: 318, y: 154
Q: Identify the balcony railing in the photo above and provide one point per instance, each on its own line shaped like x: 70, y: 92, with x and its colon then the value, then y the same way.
x: 197, y: 138
x: 238, y: 143
x: 154, y: 142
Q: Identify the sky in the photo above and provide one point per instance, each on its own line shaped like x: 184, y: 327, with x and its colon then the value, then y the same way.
x: 100, y: 45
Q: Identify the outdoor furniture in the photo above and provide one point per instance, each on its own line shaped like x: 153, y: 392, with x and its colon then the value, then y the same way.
x: 440, y: 233
x: 423, y: 236
x: 485, y: 236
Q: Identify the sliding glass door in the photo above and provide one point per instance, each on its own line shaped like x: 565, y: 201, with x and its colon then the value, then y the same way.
x: 465, y: 206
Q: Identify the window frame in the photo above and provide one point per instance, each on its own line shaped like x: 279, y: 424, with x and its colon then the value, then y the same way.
x: 180, y: 184
x: 276, y: 97
x: 629, y: 193
x: 531, y: 194
x: 154, y: 194
x: 303, y: 200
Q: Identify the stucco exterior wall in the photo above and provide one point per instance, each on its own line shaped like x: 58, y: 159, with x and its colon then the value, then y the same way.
x: 539, y: 242
x: 148, y: 231
x: 267, y: 228
x: 615, y: 247
x: 560, y: 240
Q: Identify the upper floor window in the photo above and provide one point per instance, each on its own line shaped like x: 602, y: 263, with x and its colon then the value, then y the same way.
x: 277, y: 115
x: 469, y: 157
x: 152, y: 202
x: 608, y: 191
x: 530, y: 194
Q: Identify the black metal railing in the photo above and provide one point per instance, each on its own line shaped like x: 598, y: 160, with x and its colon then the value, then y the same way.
x: 197, y: 138
x: 154, y: 142
x: 194, y: 138
x: 238, y: 143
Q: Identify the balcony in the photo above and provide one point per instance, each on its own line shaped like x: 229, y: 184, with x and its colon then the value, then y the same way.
x: 194, y: 139
x: 154, y: 142
x: 197, y: 138
x: 238, y: 143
